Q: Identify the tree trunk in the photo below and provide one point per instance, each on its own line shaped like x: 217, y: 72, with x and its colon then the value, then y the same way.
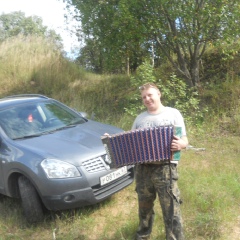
x: 128, y: 66
x: 194, y: 68
x: 153, y: 63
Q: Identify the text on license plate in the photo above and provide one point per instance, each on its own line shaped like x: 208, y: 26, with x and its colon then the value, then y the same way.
x: 113, y: 175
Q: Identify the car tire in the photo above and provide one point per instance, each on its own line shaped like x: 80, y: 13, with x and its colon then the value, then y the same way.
x: 31, y: 203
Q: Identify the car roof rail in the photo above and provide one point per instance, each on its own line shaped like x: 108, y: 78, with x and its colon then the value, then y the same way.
x: 27, y: 95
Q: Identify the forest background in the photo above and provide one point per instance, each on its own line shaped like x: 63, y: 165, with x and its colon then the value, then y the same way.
x: 191, y: 51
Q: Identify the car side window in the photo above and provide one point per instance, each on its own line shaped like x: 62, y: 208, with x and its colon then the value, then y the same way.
x: 9, y: 122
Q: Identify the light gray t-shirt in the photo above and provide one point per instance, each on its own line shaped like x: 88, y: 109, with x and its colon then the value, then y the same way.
x: 169, y: 116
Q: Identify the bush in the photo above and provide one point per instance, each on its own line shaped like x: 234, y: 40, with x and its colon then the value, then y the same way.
x: 175, y: 93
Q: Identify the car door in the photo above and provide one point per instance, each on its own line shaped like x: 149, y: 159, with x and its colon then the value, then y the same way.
x: 2, y: 161
x: 5, y: 156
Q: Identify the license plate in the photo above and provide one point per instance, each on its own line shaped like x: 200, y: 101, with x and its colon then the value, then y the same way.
x: 113, y: 175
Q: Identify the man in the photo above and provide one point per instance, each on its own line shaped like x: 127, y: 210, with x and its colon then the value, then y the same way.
x: 159, y: 178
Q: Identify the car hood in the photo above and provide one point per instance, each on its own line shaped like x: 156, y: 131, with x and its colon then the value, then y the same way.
x: 73, y: 145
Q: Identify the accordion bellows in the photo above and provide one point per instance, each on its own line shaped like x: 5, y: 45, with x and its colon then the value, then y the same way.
x: 141, y: 146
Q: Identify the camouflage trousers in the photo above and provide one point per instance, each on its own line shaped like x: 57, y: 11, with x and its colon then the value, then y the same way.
x: 153, y: 180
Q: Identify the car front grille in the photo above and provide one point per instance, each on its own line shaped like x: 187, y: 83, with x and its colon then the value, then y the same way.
x: 95, y: 165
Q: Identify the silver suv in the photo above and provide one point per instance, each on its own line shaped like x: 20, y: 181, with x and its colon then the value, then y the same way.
x: 52, y: 157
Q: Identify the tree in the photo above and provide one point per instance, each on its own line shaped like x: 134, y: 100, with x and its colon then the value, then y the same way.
x: 183, y: 30
x: 115, y: 34
x: 16, y: 23
x: 180, y: 30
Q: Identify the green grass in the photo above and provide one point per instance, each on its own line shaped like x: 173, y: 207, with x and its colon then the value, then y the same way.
x: 209, y: 183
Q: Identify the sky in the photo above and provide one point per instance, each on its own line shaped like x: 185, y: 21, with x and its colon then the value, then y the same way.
x: 52, y: 13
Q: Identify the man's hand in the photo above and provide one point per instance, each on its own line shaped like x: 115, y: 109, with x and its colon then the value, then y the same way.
x: 179, y: 143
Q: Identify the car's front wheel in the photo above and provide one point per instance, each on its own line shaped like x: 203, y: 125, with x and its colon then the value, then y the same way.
x: 31, y: 202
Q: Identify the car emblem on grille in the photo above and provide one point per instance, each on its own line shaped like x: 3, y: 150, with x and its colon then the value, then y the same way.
x: 107, y: 159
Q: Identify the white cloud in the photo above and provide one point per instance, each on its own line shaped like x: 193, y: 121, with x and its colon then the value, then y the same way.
x: 52, y: 13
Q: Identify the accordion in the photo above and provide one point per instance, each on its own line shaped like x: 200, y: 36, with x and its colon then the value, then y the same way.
x: 139, y: 146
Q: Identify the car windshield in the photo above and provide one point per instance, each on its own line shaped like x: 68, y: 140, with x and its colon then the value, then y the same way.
x: 35, y: 119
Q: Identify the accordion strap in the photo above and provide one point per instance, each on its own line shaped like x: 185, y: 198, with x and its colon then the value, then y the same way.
x: 171, y: 210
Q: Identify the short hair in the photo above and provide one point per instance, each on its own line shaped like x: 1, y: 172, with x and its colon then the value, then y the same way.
x: 147, y: 86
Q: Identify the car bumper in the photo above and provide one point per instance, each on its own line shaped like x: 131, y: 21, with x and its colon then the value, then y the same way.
x: 86, y: 196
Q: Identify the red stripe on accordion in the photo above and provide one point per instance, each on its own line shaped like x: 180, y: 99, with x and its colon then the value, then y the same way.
x: 139, y: 146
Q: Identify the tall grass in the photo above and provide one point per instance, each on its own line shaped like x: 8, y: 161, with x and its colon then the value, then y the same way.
x: 210, y: 184
x: 33, y: 65
x: 209, y: 180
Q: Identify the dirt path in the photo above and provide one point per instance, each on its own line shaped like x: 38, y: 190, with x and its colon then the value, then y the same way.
x: 236, y: 230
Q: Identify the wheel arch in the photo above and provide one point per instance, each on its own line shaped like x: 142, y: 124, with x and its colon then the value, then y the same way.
x: 13, y: 189
x: 12, y: 183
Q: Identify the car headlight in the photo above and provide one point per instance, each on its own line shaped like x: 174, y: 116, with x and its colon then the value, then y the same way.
x: 58, y: 169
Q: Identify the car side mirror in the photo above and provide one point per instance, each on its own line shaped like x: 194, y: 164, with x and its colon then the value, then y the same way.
x: 83, y: 114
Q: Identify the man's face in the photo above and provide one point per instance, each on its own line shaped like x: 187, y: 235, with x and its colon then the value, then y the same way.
x: 151, y: 98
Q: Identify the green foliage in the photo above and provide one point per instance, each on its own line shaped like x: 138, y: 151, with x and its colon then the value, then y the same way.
x: 175, y: 93
x: 111, y: 34
x: 16, y: 23
x: 124, y: 32
x: 223, y: 97
x: 143, y: 75
x: 221, y: 62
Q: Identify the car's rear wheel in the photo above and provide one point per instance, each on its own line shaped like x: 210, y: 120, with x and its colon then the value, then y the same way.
x: 31, y: 202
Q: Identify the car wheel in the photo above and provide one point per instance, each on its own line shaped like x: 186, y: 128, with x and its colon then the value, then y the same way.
x: 31, y: 202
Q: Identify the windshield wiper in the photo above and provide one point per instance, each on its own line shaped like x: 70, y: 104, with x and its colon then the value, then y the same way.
x: 62, y: 128
x: 29, y: 136
x: 47, y: 132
